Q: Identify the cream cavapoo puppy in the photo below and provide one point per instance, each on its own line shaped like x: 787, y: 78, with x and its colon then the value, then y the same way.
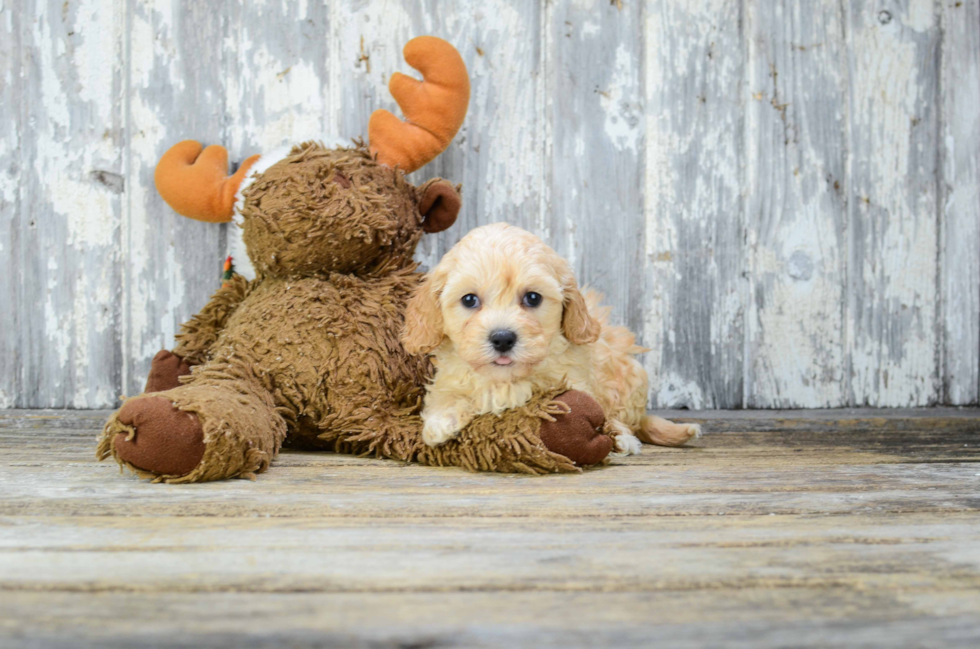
x: 503, y: 317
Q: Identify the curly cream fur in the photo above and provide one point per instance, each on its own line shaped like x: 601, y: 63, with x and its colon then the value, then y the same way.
x: 566, y: 338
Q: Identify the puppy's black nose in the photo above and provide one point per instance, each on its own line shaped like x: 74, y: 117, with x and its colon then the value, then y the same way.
x: 503, y: 340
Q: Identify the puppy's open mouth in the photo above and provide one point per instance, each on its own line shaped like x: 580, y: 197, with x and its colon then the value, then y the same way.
x: 503, y: 360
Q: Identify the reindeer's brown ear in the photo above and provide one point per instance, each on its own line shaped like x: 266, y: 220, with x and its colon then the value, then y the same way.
x: 578, y: 325
x: 422, y: 332
x: 439, y: 205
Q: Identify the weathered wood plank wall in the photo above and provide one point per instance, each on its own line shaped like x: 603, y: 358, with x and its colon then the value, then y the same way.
x: 782, y: 198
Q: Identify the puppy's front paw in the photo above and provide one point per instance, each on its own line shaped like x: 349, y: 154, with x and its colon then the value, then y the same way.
x: 693, y: 431
x: 626, y: 442
x: 439, y: 429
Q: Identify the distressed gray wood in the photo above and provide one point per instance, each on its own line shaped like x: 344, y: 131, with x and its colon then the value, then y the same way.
x: 67, y: 333
x: 777, y: 529
x: 695, y: 253
x: 893, y: 290
x: 595, y: 148
x: 12, y: 112
x: 794, y: 616
x: 808, y: 238
x: 278, y: 86
x: 796, y: 205
x: 176, y: 92
x: 960, y: 200
x: 500, y: 154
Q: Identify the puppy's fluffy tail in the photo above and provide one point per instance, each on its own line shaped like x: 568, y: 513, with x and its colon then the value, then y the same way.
x: 659, y: 431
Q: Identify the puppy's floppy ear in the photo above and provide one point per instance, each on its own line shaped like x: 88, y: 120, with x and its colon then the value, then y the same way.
x: 439, y: 204
x: 578, y: 325
x: 422, y: 332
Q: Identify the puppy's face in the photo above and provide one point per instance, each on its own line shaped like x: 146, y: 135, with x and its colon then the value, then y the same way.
x: 501, y: 308
x: 501, y: 296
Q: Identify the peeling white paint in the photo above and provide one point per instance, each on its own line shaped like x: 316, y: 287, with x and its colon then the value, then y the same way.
x: 70, y: 202
x: 921, y: 15
x: 58, y: 331
x: 623, y: 113
x: 678, y: 392
x: 86, y: 210
x: 794, y: 154
x: 292, y: 102
x: 692, y: 206
x: 893, y: 334
x: 509, y: 138
x: 960, y: 263
x: 745, y: 256
x: 148, y: 133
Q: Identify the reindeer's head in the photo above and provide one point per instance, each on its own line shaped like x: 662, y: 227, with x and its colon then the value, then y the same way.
x: 347, y: 209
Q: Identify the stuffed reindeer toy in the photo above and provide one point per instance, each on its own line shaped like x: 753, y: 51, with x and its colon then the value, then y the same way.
x: 308, y: 353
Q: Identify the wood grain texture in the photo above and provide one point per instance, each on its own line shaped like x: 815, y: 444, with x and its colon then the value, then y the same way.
x: 176, y: 91
x: 792, y: 616
x: 695, y: 230
x: 596, y: 132
x: 796, y: 207
x: 893, y: 296
x: 960, y: 200
x: 12, y: 112
x: 67, y: 231
x: 781, y: 199
x: 778, y: 529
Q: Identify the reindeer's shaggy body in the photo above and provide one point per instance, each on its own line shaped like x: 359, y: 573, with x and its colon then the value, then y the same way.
x: 308, y: 353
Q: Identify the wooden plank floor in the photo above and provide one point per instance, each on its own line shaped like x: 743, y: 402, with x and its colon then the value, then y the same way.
x: 837, y: 528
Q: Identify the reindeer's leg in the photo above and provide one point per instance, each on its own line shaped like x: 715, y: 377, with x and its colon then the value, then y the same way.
x: 547, y: 435
x: 165, y: 371
x: 576, y: 434
x: 220, y: 424
x: 199, y: 334
x: 196, y: 337
x: 551, y: 433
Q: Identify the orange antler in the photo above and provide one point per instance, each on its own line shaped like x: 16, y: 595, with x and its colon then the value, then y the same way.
x: 434, y: 108
x: 196, y: 184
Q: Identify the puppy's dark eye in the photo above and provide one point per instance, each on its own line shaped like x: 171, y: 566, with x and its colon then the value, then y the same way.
x: 532, y: 299
x: 470, y: 301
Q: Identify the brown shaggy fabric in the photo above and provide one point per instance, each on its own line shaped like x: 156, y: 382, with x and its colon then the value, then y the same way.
x: 199, y: 334
x: 310, y: 349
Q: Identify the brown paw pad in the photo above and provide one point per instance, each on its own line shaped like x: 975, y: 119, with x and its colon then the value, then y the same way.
x: 167, y: 441
x: 165, y: 371
x: 577, y: 435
